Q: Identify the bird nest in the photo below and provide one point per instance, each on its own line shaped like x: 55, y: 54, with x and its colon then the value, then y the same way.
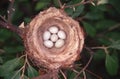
x: 53, y: 58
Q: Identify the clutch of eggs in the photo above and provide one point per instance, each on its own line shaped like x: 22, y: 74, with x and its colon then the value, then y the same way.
x: 54, y: 37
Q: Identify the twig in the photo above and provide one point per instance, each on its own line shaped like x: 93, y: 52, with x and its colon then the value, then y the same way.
x: 84, y: 74
x: 82, y: 2
x: 23, y: 68
x: 102, y: 47
x: 91, y: 52
x: 93, y: 74
x: 114, y: 27
x: 10, y: 10
x: 75, y: 70
x: 63, y: 74
x: 9, y: 26
x: 60, y: 3
x: 2, y: 18
x: 19, y: 69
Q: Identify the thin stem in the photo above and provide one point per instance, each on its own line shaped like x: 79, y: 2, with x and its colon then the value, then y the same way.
x: 93, y: 74
x: 84, y: 74
x: 91, y: 52
x: 75, y: 70
x: 60, y: 3
x: 9, y: 26
x: 23, y: 68
x: 84, y: 67
x: 82, y: 2
x: 10, y: 10
x: 63, y: 74
x: 102, y: 47
x: 20, y: 68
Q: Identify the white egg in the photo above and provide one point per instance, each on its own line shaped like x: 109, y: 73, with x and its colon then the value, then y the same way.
x: 53, y: 29
x: 59, y: 43
x: 46, y: 35
x: 61, y: 34
x: 48, y: 44
x: 54, y: 38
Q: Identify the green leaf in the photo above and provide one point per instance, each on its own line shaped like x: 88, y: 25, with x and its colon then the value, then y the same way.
x: 99, y: 55
x: 94, y: 14
x: 91, y: 31
x: 115, y: 4
x: 27, y: 20
x: 9, y: 66
x: 102, y: 2
x: 105, y: 24
x: 25, y: 77
x: 104, y: 41
x: 56, y: 3
x: 4, y: 34
x: 31, y: 72
x: 1, y: 60
x: 111, y: 64
x: 13, y: 75
x: 13, y: 49
x: 114, y: 35
x: 78, y: 11
x: 69, y: 11
x: 71, y: 75
x: 41, y: 5
x: 115, y: 45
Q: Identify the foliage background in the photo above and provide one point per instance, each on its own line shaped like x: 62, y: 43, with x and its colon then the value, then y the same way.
x: 100, y: 20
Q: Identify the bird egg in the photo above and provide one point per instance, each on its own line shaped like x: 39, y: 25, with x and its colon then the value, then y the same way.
x: 53, y: 29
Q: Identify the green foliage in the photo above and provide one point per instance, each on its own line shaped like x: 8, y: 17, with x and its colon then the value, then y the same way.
x: 9, y: 66
x: 13, y: 49
x: 89, y: 29
x: 13, y: 75
x: 75, y: 12
x: 71, y: 74
x: 31, y: 72
x: 101, y: 25
x: 115, y: 45
x: 41, y: 4
x: 112, y: 64
x: 104, y: 24
x: 99, y: 55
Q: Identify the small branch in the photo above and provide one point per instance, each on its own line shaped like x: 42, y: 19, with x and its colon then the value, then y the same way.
x: 91, y: 52
x: 63, y: 74
x: 82, y: 2
x: 114, y: 27
x: 10, y: 10
x: 23, y: 68
x: 84, y: 74
x: 103, y: 47
x: 93, y: 74
x: 60, y: 3
x: 9, y: 26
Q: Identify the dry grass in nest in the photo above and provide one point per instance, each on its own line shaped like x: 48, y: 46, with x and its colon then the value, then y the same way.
x: 53, y: 58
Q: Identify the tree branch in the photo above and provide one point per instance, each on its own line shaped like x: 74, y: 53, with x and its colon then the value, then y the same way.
x: 10, y: 10
x: 82, y: 2
x: 91, y: 53
x: 5, y: 24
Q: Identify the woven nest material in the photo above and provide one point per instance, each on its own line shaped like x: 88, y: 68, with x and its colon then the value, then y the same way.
x: 53, y: 58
